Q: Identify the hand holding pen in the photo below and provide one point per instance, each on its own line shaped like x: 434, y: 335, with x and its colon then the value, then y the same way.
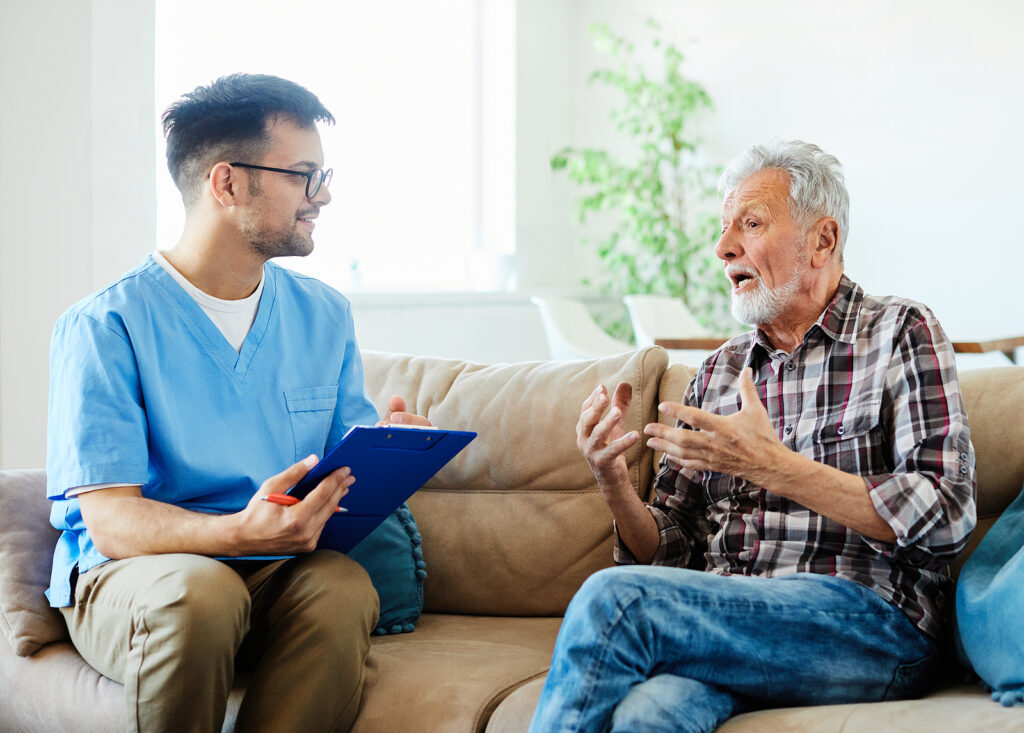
x: 289, y: 500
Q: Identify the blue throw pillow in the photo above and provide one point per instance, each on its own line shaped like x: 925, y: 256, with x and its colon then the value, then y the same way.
x: 393, y: 557
x: 989, y: 599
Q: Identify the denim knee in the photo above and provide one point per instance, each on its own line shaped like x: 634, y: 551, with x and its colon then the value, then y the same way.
x: 672, y: 704
x: 606, y: 585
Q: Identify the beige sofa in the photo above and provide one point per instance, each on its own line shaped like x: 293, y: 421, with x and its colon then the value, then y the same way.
x: 510, y: 530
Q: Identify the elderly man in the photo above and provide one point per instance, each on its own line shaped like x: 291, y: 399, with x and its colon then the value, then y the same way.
x: 818, y: 481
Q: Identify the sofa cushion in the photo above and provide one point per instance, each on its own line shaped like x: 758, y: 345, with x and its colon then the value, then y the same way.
x: 393, y: 558
x: 452, y: 673
x: 515, y: 523
x: 26, y: 552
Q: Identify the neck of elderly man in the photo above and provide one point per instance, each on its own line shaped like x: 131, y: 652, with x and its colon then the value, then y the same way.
x: 818, y: 288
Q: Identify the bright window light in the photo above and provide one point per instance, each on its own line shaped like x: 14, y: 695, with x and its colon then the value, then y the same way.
x: 423, y: 149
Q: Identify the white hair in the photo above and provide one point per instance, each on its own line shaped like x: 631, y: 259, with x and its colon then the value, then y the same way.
x: 816, y: 184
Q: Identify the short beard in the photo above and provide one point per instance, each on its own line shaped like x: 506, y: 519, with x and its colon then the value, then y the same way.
x: 765, y: 304
x: 270, y: 244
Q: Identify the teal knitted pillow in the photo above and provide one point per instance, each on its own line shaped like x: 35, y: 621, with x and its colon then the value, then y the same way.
x: 393, y: 557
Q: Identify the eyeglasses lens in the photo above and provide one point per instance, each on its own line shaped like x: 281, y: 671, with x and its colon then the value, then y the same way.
x: 314, y: 182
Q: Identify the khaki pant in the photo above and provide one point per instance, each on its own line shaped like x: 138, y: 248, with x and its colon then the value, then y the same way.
x: 171, y: 628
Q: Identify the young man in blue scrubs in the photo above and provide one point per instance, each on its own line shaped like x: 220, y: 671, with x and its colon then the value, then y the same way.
x: 177, y: 396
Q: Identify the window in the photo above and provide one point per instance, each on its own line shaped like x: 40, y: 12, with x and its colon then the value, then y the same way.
x: 423, y: 149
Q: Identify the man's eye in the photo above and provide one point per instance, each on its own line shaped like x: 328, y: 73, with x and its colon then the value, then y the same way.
x: 752, y: 224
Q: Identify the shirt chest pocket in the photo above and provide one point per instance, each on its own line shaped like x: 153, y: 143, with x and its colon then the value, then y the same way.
x: 850, y: 439
x: 310, y: 410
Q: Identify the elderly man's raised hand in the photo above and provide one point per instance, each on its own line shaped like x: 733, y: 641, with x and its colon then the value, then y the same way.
x: 602, y: 438
x: 743, y: 445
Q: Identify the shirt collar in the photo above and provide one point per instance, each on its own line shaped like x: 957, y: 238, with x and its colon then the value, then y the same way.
x: 838, y: 321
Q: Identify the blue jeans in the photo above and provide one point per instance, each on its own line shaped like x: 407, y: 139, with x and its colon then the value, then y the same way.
x: 666, y: 649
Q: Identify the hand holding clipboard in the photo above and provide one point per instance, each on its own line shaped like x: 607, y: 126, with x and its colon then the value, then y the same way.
x: 390, y: 463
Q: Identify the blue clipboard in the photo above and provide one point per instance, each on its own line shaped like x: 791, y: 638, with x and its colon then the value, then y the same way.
x: 390, y: 464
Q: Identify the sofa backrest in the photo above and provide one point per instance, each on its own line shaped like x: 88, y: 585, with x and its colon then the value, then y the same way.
x: 995, y: 412
x: 515, y: 523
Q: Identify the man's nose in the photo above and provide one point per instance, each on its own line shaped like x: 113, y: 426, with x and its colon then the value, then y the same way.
x: 323, y: 196
x: 728, y: 247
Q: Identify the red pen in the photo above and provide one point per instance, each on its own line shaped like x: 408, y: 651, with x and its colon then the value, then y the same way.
x: 289, y: 500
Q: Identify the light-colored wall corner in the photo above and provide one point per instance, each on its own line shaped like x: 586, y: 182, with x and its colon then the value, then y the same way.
x: 76, y: 191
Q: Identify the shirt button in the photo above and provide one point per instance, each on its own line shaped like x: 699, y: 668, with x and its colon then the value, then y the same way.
x: 963, y: 456
x: 789, y: 429
x: 963, y: 469
x: 790, y: 366
x: 841, y: 430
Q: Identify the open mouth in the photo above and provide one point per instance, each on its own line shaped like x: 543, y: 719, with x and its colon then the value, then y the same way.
x: 741, y: 278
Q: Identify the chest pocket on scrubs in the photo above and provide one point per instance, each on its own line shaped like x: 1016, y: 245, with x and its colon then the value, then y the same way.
x: 843, y: 439
x: 311, y: 410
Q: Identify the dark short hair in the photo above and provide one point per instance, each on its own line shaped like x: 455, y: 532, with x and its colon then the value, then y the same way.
x: 227, y: 120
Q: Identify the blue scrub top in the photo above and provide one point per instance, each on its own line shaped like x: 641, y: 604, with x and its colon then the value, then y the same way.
x: 144, y: 389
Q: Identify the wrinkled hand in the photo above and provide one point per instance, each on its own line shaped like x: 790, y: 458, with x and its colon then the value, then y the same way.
x: 603, y: 440
x: 271, y: 529
x: 743, y: 445
x: 396, y: 414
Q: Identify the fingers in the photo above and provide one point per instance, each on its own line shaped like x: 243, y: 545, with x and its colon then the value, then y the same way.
x: 599, y: 391
x: 327, y: 493
x: 692, y: 416
x: 396, y: 403
x: 283, y: 481
x: 679, y: 442
x: 407, y: 418
x: 623, y: 396
x: 749, y: 398
x: 592, y: 411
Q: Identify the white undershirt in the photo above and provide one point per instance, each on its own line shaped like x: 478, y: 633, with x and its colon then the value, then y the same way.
x: 233, y: 318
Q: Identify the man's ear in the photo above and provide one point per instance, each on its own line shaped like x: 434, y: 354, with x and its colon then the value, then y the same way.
x: 826, y: 237
x: 223, y: 184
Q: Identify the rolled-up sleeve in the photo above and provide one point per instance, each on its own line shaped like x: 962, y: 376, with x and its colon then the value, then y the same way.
x: 929, y: 497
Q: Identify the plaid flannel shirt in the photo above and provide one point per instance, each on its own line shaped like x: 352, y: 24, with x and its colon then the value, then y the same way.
x: 872, y: 391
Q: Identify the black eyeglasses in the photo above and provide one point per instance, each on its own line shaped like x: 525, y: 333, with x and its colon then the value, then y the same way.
x: 314, y: 178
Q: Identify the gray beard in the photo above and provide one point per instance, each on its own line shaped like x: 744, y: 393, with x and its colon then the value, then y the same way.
x: 765, y: 304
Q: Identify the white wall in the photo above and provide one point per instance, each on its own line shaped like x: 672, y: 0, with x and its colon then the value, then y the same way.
x: 76, y: 192
x: 920, y: 100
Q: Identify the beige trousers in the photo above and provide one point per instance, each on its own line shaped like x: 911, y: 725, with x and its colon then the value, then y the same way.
x: 171, y: 629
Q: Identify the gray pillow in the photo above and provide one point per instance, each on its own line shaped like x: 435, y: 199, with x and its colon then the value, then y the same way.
x: 26, y: 554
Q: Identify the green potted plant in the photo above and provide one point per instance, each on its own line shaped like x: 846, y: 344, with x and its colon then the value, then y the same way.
x: 661, y: 199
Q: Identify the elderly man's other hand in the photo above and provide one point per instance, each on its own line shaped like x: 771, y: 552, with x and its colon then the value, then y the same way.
x: 602, y: 438
x: 743, y: 445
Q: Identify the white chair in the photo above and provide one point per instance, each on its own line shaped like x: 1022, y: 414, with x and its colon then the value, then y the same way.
x: 572, y: 333
x: 662, y: 317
